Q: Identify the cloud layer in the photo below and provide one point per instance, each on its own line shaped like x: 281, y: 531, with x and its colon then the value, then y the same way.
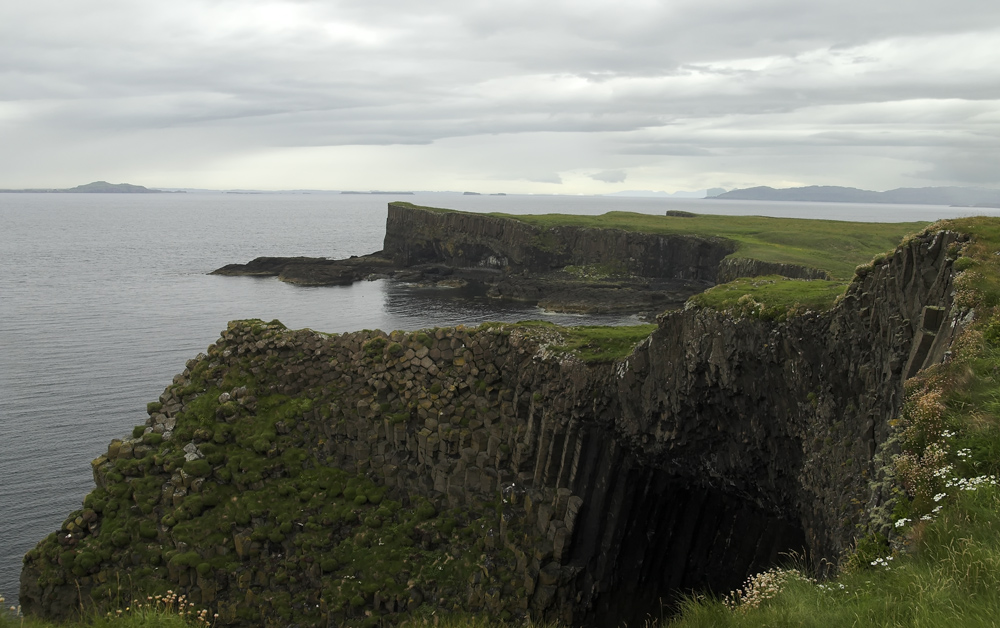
x: 524, y: 96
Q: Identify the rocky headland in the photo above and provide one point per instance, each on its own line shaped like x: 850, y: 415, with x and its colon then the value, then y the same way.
x: 294, y: 477
x: 565, y: 268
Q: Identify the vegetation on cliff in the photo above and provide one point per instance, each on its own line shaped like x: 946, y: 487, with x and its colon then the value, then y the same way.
x: 771, y: 297
x: 276, y: 480
x: 834, y: 246
x: 588, y: 343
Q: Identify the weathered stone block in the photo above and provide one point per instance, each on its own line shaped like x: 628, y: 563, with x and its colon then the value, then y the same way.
x: 544, y: 516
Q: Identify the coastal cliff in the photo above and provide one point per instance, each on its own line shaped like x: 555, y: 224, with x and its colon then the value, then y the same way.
x: 561, y: 267
x: 416, y: 235
x: 336, y: 479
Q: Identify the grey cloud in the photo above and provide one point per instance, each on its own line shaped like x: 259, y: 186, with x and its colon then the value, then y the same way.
x: 658, y: 79
x: 544, y: 178
x: 610, y: 176
x: 976, y: 167
x: 666, y: 149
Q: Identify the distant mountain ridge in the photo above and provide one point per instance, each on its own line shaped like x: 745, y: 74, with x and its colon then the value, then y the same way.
x: 970, y: 197
x: 97, y: 187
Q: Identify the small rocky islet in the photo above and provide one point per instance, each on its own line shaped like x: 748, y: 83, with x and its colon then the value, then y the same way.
x: 295, y: 477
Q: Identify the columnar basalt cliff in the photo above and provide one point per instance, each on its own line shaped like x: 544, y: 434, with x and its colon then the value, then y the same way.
x: 293, y: 476
x: 417, y: 235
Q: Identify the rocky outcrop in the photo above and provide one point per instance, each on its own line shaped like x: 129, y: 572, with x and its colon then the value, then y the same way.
x: 459, y: 239
x: 329, y: 480
x: 310, y: 271
x: 733, y: 268
x: 563, y: 268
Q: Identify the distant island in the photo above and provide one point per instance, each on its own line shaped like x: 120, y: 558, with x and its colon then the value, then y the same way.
x: 710, y: 192
x: 97, y: 187
x: 375, y: 192
x: 964, y: 197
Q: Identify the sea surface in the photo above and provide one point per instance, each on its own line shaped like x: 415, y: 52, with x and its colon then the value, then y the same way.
x: 103, y: 297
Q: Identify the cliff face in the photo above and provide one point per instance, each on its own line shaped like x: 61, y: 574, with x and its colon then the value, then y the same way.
x: 416, y: 236
x: 490, y: 471
x: 776, y: 424
x: 562, y: 268
x: 734, y: 268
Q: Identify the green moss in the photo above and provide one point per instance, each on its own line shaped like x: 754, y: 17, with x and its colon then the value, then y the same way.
x: 423, y: 339
x: 373, y: 348
x: 395, y: 350
x: 147, y: 529
x: 198, y: 468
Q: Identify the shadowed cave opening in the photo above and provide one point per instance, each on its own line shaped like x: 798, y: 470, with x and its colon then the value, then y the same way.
x: 673, y: 538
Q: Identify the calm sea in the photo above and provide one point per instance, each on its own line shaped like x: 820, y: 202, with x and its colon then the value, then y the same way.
x: 103, y: 298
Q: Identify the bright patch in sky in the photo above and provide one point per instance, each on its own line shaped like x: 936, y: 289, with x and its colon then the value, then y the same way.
x: 567, y: 97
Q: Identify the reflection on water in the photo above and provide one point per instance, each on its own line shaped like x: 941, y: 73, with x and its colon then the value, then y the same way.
x: 469, y: 305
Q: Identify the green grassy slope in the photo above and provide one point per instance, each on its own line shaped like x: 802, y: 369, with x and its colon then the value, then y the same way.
x: 834, y: 246
x: 772, y: 297
x: 591, y: 344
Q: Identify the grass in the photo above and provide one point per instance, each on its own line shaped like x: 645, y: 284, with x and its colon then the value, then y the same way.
x: 603, y: 344
x: 436, y: 210
x: 772, y: 297
x: 591, y: 344
x: 831, y: 245
x: 170, y: 618
x: 308, y: 516
x: 834, y: 246
x: 951, y: 578
x: 170, y: 611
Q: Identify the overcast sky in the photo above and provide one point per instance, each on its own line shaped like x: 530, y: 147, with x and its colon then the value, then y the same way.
x: 544, y: 96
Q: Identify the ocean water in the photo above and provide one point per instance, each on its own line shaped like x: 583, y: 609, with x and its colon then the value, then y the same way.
x: 103, y: 298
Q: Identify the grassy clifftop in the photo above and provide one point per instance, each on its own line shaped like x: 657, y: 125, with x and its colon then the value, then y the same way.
x: 834, y: 246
